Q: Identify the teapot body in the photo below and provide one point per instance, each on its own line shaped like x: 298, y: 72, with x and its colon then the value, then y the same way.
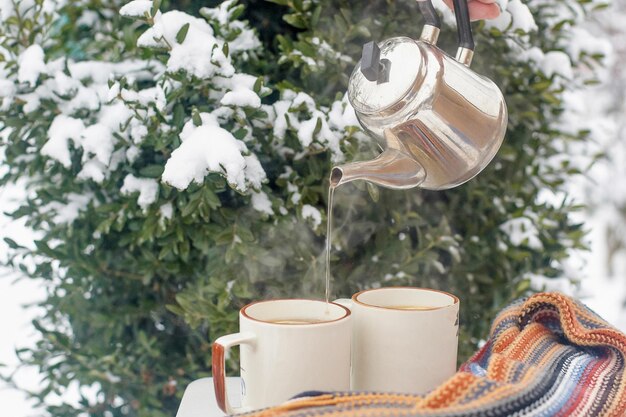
x: 448, y: 118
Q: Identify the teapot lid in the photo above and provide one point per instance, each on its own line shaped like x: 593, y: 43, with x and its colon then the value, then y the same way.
x: 400, y: 61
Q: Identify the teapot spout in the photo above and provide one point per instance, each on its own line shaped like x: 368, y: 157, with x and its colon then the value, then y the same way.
x: 391, y: 169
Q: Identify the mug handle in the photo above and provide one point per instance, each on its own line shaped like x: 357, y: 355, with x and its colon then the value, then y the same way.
x: 220, y: 348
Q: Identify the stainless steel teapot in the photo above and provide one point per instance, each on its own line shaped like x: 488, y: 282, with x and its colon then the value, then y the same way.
x: 439, y: 122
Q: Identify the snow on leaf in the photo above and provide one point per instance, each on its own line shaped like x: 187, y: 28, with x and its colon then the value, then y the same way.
x: 502, y: 22
x: 522, y: 231
x: 210, y: 148
x: 221, y: 13
x: 200, y: 52
x: 99, y: 72
x: 557, y: 62
x: 312, y: 214
x: 262, y: 203
x: 148, y: 189
x: 241, y: 92
x: 31, y: 64
x: 342, y: 115
x: 64, y: 85
x: 93, y: 170
x: 136, y: 8
x: 69, y: 211
x: 166, y: 211
x: 62, y: 129
x: 114, y: 115
x: 98, y: 140
x: 522, y: 17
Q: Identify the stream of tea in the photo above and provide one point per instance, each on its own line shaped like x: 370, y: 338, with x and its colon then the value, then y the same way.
x: 329, y: 229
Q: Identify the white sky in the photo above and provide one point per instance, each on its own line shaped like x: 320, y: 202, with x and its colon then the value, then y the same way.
x: 15, y: 323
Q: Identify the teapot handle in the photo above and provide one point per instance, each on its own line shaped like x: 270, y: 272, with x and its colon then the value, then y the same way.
x: 432, y: 23
x: 465, y: 52
x: 431, y: 18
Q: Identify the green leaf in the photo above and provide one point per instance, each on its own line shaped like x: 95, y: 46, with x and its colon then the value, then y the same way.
x: 295, y: 20
x: 152, y: 171
x: 156, y: 4
x: 12, y: 244
x: 258, y: 84
x: 315, y: 17
x: 182, y: 33
x: 236, y: 12
x: 196, y: 118
x: 373, y: 191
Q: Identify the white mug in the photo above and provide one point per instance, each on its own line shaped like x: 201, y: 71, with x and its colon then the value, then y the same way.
x: 287, y: 347
x: 404, y: 339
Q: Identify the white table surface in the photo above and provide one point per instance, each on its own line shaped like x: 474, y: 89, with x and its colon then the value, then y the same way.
x: 199, y: 398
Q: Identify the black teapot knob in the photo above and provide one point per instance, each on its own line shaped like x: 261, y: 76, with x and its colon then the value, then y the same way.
x: 372, y: 67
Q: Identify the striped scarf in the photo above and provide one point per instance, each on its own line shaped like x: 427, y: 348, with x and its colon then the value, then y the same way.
x: 547, y: 355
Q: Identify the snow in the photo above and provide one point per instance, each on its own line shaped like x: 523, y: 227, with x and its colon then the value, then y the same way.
x: 502, y: 22
x: 136, y: 8
x: 138, y: 133
x: 262, y: 203
x: 7, y: 88
x: 30, y: 65
x: 522, y: 231
x: 305, y: 131
x: 522, y: 17
x: 114, y: 115
x: 85, y: 98
x: 148, y: 189
x: 210, y: 148
x: 92, y: 170
x: 68, y: 211
x: 557, y: 62
x: 254, y: 172
x: 147, y: 96
x: 242, y: 98
x: 333, y: 122
x: 241, y: 92
x: 166, y: 211
x: 532, y: 54
x: 280, y: 111
x: 515, y: 16
x: 246, y: 40
x: 200, y: 54
x: 88, y: 18
x: 132, y: 153
x: 221, y: 13
x: 313, y: 214
x: 98, y: 140
x: 342, y: 115
x: 64, y: 85
x: 62, y: 129
x: 100, y: 72
x: 295, y: 194
x: 582, y: 41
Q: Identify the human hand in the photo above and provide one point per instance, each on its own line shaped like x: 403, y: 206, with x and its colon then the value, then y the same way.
x: 480, y: 9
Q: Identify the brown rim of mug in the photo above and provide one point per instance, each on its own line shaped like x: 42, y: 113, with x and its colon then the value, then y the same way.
x: 355, y: 296
x: 246, y: 315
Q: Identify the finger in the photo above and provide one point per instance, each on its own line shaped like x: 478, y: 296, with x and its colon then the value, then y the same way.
x: 479, y: 9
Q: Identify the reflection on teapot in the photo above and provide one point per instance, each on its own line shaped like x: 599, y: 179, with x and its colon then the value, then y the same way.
x: 440, y: 122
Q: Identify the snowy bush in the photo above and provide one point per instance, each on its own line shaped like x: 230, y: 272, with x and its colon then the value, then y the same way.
x: 177, y: 158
